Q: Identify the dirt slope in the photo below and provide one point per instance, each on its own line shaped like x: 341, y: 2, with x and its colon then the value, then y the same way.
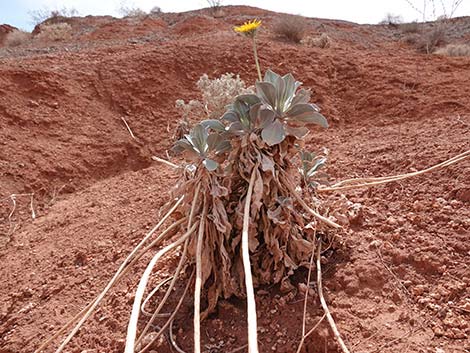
x: 401, y: 280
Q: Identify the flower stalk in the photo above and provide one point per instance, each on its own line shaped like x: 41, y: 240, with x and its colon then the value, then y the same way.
x: 255, y: 53
x: 250, y: 29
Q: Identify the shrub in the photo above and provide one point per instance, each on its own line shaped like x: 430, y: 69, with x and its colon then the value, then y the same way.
x: 454, y: 50
x: 291, y: 27
x: 391, y: 20
x: 41, y: 15
x: 54, y: 32
x: 156, y: 10
x: 219, y: 92
x: 324, y: 41
x: 17, y: 38
x: 130, y: 11
x: 412, y: 27
x: 430, y: 40
x: 216, y: 95
x: 215, y: 6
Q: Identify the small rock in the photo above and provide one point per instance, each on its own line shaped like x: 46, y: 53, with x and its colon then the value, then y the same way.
x: 418, y: 290
x: 392, y: 221
x: 375, y: 244
x: 438, y: 331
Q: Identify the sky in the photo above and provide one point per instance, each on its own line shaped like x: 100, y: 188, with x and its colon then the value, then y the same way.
x: 16, y: 12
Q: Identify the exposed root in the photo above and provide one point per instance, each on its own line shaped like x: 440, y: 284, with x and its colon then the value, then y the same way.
x: 198, y: 283
x: 12, y: 198
x: 304, y: 316
x: 304, y: 337
x: 132, y: 326
x: 367, y: 182
x: 164, y: 161
x: 177, y: 271
x: 173, y: 340
x: 123, y: 268
x: 171, y: 318
x: 330, y: 319
x: 250, y: 293
x: 309, y: 210
x: 151, y: 294
x: 128, y: 128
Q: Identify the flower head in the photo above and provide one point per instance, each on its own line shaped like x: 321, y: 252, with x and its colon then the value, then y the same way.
x: 248, y: 28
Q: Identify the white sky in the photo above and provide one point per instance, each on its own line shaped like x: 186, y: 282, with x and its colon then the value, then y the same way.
x: 15, y: 12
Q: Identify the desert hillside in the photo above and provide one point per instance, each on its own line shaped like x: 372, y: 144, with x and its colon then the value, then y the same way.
x: 399, y: 281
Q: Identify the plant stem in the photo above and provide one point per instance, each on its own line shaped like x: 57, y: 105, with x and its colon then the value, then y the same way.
x: 255, y: 52
x: 250, y: 293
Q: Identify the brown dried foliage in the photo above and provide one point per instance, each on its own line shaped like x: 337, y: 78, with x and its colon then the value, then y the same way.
x: 280, y: 239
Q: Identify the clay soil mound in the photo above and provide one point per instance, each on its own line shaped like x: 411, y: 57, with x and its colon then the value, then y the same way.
x: 401, y: 281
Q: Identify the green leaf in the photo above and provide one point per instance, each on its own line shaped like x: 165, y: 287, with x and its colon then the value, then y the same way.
x: 184, y: 145
x: 270, y: 76
x: 249, y: 99
x: 280, y: 87
x: 223, y: 146
x: 213, y: 140
x: 210, y: 164
x: 236, y: 128
x: 267, y: 92
x: 290, y: 85
x: 306, y: 114
x: 213, y: 124
x: 199, y: 138
x: 230, y: 116
x: 273, y: 133
x: 254, y: 113
x: 302, y: 96
x: 265, y: 117
x: 318, y: 164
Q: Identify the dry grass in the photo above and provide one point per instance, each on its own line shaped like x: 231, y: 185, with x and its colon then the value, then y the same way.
x: 54, y: 33
x: 17, y: 38
x: 454, y: 50
x: 324, y: 41
x: 432, y: 39
x: 290, y: 27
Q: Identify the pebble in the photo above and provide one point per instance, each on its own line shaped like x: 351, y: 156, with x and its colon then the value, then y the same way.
x: 375, y: 244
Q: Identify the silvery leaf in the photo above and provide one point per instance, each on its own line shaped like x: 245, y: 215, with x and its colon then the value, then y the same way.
x: 267, y: 93
x: 214, y: 124
x: 210, y: 164
x: 273, y: 133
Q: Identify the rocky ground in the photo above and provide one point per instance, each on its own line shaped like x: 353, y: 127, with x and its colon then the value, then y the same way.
x: 401, y: 279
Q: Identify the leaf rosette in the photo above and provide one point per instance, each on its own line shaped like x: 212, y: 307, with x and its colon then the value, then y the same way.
x: 205, y: 143
x: 278, y: 109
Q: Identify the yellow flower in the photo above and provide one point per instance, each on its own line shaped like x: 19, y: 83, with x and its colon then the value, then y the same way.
x: 248, y: 28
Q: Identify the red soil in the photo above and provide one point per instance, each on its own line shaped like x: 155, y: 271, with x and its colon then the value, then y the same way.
x: 400, y: 282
